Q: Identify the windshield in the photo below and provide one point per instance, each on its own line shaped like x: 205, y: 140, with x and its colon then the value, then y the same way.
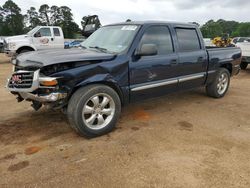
x: 113, y: 39
x: 31, y: 32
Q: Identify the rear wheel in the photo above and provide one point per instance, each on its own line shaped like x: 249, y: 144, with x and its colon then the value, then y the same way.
x: 220, y: 84
x: 94, y: 110
x: 243, y: 65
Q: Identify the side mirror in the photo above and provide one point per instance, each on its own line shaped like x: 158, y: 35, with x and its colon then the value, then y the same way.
x: 147, y: 50
x: 38, y: 34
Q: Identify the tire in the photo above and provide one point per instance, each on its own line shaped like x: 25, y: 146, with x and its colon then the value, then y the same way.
x: 243, y: 65
x: 102, y: 109
x: 219, y: 87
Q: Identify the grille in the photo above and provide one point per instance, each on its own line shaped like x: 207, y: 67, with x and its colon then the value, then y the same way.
x: 21, y: 80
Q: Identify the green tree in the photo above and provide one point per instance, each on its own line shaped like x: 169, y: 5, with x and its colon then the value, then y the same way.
x: 32, y: 17
x: 211, y: 29
x: 56, y: 16
x: 67, y: 23
x: 13, y: 19
x: 1, y: 20
x: 228, y: 26
x: 242, y: 30
x: 44, y: 14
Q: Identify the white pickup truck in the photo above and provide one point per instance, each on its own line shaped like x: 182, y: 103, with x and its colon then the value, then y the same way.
x: 245, y: 48
x: 39, y: 38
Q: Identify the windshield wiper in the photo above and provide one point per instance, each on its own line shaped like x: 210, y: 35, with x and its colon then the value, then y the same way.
x: 99, y: 48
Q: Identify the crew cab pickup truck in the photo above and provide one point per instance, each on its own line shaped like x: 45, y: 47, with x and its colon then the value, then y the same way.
x: 119, y: 64
x: 39, y: 38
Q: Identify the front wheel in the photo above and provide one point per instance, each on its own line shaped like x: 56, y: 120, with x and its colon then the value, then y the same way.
x: 218, y: 88
x: 94, y: 110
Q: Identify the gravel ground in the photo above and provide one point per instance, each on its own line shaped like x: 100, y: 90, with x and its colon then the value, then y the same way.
x: 180, y: 140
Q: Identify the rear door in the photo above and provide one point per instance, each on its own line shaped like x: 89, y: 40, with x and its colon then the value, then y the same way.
x: 58, y: 39
x: 154, y: 75
x: 192, y: 56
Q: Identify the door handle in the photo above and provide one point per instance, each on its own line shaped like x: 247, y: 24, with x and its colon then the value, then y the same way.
x: 52, y: 39
x: 173, y: 62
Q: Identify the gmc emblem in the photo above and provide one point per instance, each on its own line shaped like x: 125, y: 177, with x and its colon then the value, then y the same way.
x: 16, y: 79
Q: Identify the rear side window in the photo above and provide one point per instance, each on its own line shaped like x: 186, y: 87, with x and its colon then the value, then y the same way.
x: 56, y: 32
x: 188, y: 39
x: 160, y: 36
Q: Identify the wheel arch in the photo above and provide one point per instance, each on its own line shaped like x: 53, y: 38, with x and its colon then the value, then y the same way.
x: 227, y: 66
x: 25, y: 48
x: 110, y: 84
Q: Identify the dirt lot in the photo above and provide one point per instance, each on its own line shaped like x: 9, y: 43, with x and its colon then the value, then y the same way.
x: 181, y: 140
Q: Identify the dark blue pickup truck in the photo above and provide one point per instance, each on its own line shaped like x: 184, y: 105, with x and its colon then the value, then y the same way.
x: 119, y: 64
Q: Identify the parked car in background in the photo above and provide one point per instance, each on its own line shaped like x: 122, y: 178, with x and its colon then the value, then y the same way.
x: 240, y: 39
x: 39, y: 38
x: 119, y: 64
x: 73, y: 44
x: 208, y: 42
x: 245, y: 47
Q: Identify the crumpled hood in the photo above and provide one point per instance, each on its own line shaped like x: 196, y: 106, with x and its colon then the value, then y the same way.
x: 56, y: 56
x: 16, y: 38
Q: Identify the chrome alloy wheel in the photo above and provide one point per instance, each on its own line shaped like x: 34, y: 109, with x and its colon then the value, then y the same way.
x: 222, y: 83
x: 98, y: 111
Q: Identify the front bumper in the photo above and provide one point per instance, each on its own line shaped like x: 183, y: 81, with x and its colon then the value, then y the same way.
x: 52, y: 97
x: 32, y: 92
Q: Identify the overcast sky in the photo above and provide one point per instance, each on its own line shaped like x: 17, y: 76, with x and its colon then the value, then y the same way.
x: 111, y: 11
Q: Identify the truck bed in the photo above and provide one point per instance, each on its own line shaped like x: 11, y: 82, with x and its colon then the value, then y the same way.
x: 217, y: 56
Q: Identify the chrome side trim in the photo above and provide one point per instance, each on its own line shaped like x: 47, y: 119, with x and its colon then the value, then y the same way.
x: 149, y: 86
x: 170, y: 81
x: 212, y: 71
x: 191, y: 77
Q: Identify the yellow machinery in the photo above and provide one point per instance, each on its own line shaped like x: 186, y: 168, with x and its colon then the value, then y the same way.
x: 224, y: 41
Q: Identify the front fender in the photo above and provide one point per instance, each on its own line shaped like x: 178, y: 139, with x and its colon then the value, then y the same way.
x: 108, y: 80
x: 97, y: 79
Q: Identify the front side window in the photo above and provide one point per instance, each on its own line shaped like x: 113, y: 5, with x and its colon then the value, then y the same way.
x: 188, y: 40
x: 43, y: 32
x: 159, y: 36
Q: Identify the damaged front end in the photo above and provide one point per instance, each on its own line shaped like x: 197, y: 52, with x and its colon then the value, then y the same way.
x: 39, y: 89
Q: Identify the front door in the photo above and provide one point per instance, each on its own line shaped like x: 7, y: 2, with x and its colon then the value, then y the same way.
x: 154, y: 75
x: 43, y: 38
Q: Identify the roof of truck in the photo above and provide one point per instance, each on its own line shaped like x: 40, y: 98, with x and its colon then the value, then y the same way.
x: 154, y: 22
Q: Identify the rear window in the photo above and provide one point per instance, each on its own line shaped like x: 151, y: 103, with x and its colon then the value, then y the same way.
x: 56, y: 32
x: 187, y: 39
